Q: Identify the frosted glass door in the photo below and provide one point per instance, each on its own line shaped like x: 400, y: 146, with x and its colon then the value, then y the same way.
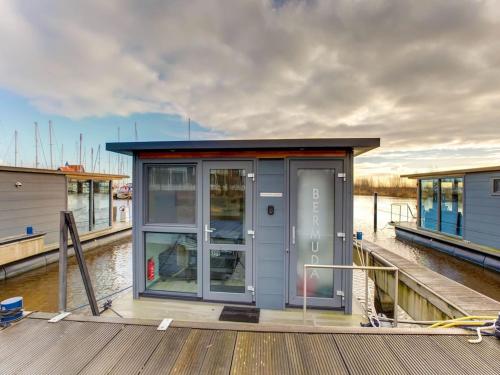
x: 314, y: 230
x: 314, y: 215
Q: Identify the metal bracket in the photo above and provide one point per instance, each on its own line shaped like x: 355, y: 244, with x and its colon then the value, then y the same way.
x: 342, y: 175
x: 251, y: 232
x: 164, y: 325
x: 59, y: 317
x: 340, y: 293
x: 341, y: 235
x: 251, y: 175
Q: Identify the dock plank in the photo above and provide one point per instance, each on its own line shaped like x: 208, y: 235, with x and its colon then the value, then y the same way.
x: 136, y: 355
x: 104, y: 362
x: 165, y: 355
x: 363, y: 355
x: 410, y: 352
x: 219, y: 356
x: 63, y: 345
x: 75, y: 360
x: 193, y: 352
x: 469, y: 357
x: 25, y: 349
x: 464, y: 299
x: 125, y: 346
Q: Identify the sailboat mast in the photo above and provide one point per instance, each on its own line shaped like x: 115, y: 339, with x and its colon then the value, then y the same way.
x: 15, y: 148
x: 36, y: 145
x: 50, y: 144
x: 81, y: 141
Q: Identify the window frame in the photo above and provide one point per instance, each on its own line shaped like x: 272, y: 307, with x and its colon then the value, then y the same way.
x: 171, y: 293
x: 142, y: 226
x: 145, y: 196
x: 493, y: 192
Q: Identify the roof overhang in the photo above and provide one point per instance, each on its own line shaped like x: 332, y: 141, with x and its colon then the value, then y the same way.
x: 452, y: 173
x: 357, y: 145
x: 75, y: 175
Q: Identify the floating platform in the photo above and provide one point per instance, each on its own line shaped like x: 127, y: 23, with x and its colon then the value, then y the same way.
x: 97, y: 345
x: 422, y: 290
x: 483, y: 256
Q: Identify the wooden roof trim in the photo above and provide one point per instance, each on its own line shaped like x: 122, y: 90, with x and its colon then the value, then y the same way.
x: 261, y: 154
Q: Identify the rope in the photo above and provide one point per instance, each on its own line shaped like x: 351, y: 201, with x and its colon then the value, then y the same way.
x: 102, y: 298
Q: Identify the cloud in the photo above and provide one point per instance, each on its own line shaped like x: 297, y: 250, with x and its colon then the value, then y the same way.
x: 415, y: 73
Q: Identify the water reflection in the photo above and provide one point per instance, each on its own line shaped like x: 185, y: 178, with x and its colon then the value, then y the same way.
x: 110, y: 269
x: 468, y: 274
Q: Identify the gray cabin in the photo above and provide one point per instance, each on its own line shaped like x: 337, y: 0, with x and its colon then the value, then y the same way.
x: 31, y: 200
x: 459, y: 213
x: 236, y: 220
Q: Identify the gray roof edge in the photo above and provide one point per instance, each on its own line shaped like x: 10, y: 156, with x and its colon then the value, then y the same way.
x: 252, y: 144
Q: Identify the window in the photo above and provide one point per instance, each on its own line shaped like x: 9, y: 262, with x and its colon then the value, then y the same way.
x: 429, y: 192
x: 171, y: 194
x: 101, y: 205
x: 79, y: 203
x: 171, y: 262
x: 452, y: 206
x: 495, y: 186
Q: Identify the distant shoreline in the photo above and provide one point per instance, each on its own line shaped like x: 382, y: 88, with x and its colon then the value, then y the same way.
x: 399, y: 192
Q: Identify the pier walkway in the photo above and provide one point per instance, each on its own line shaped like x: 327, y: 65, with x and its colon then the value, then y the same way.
x: 97, y: 345
x: 450, y: 297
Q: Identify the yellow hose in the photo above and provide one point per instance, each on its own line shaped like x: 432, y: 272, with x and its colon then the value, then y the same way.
x: 464, y: 320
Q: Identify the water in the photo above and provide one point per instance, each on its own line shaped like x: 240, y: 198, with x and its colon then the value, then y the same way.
x: 110, y: 266
x: 110, y: 269
x: 475, y: 277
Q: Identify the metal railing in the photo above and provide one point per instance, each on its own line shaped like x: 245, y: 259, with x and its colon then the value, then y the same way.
x: 407, y: 216
x: 345, y: 267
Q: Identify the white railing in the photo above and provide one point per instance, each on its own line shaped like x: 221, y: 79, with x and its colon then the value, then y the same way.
x: 366, y: 268
x: 402, y: 211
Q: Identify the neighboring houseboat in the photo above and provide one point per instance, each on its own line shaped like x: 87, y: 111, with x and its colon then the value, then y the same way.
x: 31, y: 200
x: 236, y: 220
x: 458, y: 213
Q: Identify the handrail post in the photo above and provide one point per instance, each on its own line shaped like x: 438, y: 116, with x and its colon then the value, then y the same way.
x: 396, y: 292
x: 304, y: 295
x: 63, y: 261
x: 366, y: 294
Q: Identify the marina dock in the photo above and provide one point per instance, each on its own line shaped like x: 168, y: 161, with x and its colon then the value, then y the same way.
x: 428, y: 295
x: 98, y: 345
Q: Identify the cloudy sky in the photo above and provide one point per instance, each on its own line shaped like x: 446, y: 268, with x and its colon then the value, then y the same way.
x: 424, y: 76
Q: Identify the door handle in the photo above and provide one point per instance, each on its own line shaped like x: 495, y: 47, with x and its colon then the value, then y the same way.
x: 207, y: 231
x: 293, y: 235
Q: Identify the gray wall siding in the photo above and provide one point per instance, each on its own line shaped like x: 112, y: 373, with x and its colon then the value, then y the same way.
x: 36, y: 203
x: 270, y: 236
x: 482, y: 210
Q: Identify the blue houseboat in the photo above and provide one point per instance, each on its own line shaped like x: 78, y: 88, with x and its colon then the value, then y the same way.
x: 458, y: 213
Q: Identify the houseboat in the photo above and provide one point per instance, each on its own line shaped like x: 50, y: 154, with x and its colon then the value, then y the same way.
x: 458, y: 212
x: 236, y: 220
x: 31, y: 200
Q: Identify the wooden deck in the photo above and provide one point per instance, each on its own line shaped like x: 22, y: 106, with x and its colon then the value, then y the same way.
x: 88, y: 345
x: 438, y: 289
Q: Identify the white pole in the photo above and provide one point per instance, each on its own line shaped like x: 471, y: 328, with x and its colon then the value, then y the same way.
x: 92, y: 158
x: 50, y: 144
x: 81, y: 141
x: 36, y: 145
x: 15, y: 151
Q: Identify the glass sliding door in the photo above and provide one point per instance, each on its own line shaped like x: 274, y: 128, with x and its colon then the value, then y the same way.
x: 452, y: 206
x: 79, y: 203
x: 227, y: 220
x: 102, y: 200
x: 429, y: 204
x: 315, y: 220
